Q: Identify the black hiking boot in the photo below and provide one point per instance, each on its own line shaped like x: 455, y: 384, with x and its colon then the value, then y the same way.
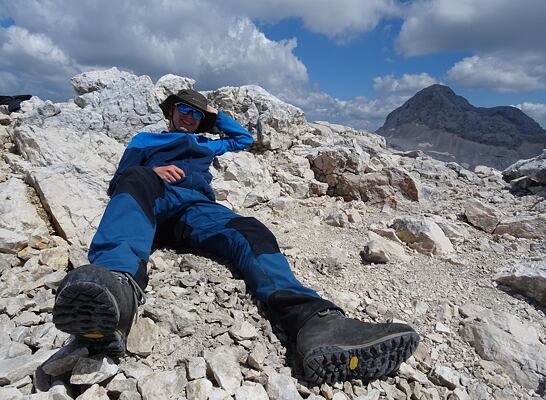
x: 334, y: 348
x: 98, y: 306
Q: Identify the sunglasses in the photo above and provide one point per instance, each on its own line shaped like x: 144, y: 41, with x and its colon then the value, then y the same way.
x: 185, y: 109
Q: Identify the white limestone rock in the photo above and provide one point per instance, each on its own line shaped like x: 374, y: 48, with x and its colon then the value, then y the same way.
x: 523, y: 226
x: 17, y: 213
x: 219, y: 394
x: 526, y: 277
x: 13, y: 349
x: 282, y: 387
x: 243, y: 330
x: 381, y: 250
x: 171, y: 84
x: 502, y: 338
x: 481, y: 215
x: 14, y: 369
x: 10, y: 393
x: 408, y: 372
x: 455, y: 232
x: 251, y: 391
x: 142, y: 337
x: 130, y: 396
x: 196, y: 368
x: 276, y: 124
x: 337, y: 218
x: 163, y: 385
x: 445, y: 376
x: 101, y: 91
x: 257, y: 356
x: 11, y: 242
x: 533, y: 168
x: 223, y: 364
x: 95, y: 392
x: 96, y: 369
x: 77, y: 221
x: 423, y: 235
x: 198, y: 389
x: 56, y: 257
x: 120, y: 384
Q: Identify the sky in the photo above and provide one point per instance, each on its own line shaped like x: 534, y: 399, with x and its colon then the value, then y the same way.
x: 343, y: 61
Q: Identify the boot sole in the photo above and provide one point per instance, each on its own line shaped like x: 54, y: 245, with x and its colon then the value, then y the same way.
x: 90, y: 312
x: 330, y: 364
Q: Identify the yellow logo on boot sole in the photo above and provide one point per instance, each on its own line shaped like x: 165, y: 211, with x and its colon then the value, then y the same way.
x: 93, y: 335
x: 353, y: 363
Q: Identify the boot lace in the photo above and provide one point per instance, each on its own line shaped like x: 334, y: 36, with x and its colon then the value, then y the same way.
x: 138, y: 294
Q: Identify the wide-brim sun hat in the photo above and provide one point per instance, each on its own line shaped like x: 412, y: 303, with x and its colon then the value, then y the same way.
x: 194, y: 99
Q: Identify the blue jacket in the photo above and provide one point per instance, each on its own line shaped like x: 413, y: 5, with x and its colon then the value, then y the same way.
x: 190, y: 152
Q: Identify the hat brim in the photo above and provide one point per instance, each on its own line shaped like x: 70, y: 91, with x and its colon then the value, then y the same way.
x: 206, y: 124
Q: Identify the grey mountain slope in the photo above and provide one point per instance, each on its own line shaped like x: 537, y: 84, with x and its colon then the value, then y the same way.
x: 448, y: 127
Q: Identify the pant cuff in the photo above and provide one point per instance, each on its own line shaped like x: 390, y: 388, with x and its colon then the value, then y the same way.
x: 293, y: 310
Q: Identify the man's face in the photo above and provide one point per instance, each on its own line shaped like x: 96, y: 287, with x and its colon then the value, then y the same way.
x: 183, y: 122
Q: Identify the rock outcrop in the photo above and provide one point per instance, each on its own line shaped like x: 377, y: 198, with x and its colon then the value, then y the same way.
x: 447, y: 127
x: 387, y: 235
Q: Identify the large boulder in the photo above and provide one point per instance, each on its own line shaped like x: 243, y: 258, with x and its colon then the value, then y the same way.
x: 481, y: 216
x: 523, y: 226
x: 423, y: 235
x: 502, y: 338
x: 17, y: 213
x: 126, y: 102
x: 275, y: 124
x: 533, y: 168
x: 526, y: 277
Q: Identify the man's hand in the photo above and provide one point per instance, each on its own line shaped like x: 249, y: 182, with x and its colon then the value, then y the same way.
x: 170, y: 173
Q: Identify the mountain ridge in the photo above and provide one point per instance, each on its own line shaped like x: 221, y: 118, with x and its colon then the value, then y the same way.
x: 432, y: 115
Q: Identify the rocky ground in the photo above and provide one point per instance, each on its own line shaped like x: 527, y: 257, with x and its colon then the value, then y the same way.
x: 387, y: 235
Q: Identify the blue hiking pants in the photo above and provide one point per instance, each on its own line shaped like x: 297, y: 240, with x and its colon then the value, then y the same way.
x: 142, y: 203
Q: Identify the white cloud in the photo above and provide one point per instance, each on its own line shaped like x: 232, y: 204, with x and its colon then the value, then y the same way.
x: 537, y: 111
x: 358, y: 112
x: 190, y: 38
x: 503, y: 72
x: 505, y: 38
x: 339, y: 20
x: 467, y: 25
x: 406, y: 84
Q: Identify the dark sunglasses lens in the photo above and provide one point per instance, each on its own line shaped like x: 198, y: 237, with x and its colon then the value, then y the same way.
x: 185, y: 109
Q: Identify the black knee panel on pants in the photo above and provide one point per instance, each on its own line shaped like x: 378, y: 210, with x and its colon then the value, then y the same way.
x: 144, y: 185
x: 261, y: 239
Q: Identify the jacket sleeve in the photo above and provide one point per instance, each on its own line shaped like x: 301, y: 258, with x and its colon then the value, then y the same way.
x: 132, y: 156
x: 238, y: 137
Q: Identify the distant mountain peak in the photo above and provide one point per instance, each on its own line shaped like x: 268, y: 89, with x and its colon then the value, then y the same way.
x: 438, y: 111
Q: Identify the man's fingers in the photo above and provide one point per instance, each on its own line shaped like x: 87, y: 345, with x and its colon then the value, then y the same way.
x: 170, y: 173
x: 174, y: 173
x: 177, y: 172
x: 171, y: 177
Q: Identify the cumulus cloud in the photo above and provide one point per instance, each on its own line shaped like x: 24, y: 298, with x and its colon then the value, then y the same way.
x: 359, y: 112
x: 32, y: 61
x: 488, y: 25
x: 406, y: 84
x: 502, y: 72
x: 504, y: 36
x: 339, y: 20
x: 190, y: 38
x: 537, y: 111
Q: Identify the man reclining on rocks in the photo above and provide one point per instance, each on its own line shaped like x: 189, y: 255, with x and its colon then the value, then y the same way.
x: 163, y: 182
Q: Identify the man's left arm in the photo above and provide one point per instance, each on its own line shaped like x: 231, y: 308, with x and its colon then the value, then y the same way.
x: 238, y: 137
